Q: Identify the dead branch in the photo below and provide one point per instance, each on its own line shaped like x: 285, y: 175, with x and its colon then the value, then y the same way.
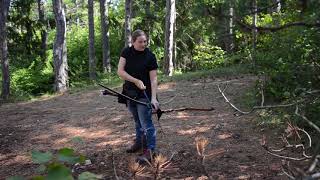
x: 314, y: 164
x: 114, y: 167
x: 277, y: 28
x: 306, y: 119
x: 188, y: 109
x: 255, y: 107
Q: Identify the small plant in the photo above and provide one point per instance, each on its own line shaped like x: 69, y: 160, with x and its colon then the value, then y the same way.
x: 135, y: 169
x: 57, y: 166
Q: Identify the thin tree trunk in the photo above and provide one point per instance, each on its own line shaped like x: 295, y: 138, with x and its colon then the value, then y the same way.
x: 105, y: 36
x: 170, y: 14
x: 174, y: 49
x: 254, y: 32
x: 43, y: 31
x: 230, y: 39
x: 4, y: 9
x: 128, y: 8
x: 60, y: 48
x: 148, y: 20
x: 277, y: 8
x: 92, y: 61
x: 77, y: 12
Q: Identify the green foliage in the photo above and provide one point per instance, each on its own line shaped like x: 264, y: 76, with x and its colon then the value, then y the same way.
x: 88, y: 176
x: 56, y: 166
x: 208, y: 57
x: 31, y: 81
x: 41, y: 158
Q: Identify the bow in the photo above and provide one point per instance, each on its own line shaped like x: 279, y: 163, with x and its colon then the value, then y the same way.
x: 112, y: 92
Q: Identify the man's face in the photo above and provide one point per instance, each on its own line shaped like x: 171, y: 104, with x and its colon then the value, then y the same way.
x: 140, y: 43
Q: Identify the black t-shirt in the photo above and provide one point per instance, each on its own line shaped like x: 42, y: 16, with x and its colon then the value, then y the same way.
x: 138, y: 65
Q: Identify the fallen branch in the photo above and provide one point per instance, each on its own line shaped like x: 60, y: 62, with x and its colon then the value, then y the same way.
x: 114, y: 167
x: 306, y: 119
x: 255, y: 107
x: 188, y: 109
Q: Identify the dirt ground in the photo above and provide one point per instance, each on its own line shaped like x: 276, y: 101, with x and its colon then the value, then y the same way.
x: 107, y: 129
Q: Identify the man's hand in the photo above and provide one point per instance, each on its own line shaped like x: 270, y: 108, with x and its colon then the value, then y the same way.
x: 155, y: 104
x: 140, y: 84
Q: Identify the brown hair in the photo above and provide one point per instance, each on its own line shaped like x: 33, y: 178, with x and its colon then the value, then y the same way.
x: 137, y: 33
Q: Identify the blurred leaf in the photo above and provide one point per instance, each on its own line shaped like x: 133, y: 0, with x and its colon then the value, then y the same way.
x: 38, y: 178
x: 39, y: 157
x: 42, y: 168
x: 89, y: 176
x: 67, y: 155
x: 16, y: 178
x: 59, y: 172
x: 77, y: 139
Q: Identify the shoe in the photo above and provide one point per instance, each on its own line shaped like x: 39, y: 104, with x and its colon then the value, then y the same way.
x: 147, y: 155
x: 136, y: 147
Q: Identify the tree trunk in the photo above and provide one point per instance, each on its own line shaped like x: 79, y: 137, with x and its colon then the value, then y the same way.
x: 4, y: 9
x: 60, y: 48
x: 170, y: 14
x: 105, y: 36
x: 43, y: 31
x: 128, y: 7
x: 254, y: 32
x: 230, y: 39
x: 148, y: 20
x: 76, y: 2
x: 277, y: 7
x: 92, y: 61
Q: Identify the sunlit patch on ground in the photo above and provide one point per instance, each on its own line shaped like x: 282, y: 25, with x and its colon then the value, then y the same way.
x: 193, y: 130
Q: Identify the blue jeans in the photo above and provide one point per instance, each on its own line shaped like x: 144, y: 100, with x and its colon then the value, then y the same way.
x: 142, y: 116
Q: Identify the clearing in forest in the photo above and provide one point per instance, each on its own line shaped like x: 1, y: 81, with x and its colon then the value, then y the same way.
x: 107, y: 129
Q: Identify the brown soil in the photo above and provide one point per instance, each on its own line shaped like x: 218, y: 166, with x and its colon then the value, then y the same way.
x: 107, y: 130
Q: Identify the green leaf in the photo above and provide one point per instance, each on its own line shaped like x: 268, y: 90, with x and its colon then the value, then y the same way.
x: 38, y: 178
x: 42, y: 168
x: 59, y: 172
x: 89, y: 176
x: 67, y: 155
x: 77, y: 139
x: 41, y: 158
x: 16, y: 178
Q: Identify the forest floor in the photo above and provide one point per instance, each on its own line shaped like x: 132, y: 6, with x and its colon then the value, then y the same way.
x: 107, y: 129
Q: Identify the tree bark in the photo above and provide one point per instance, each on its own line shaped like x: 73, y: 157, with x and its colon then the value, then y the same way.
x: 170, y: 18
x: 230, y: 39
x: 254, y: 31
x: 92, y: 61
x: 128, y: 8
x: 76, y: 2
x: 277, y: 7
x: 60, y: 48
x: 4, y: 9
x: 148, y: 20
x: 43, y: 30
x: 105, y: 36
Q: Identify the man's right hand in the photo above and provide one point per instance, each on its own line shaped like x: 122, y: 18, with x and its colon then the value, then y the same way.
x: 140, y: 84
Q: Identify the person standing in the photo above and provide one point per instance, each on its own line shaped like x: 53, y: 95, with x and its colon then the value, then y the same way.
x: 138, y: 67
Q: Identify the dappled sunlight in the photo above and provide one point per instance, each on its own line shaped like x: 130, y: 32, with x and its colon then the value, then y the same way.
x: 224, y: 136
x: 17, y: 159
x: 182, y: 115
x: 167, y: 86
x: 194, y: 130
x: 116, y: 142
x: 41, y: 137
